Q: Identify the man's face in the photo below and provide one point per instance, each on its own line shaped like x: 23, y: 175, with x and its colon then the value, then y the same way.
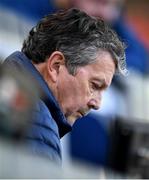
x: 82, y: 92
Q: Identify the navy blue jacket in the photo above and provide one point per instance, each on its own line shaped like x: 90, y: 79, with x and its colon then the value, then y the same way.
x: 48, y: 122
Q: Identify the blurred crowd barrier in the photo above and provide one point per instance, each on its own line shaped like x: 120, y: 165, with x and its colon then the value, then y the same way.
x: 17, y: 163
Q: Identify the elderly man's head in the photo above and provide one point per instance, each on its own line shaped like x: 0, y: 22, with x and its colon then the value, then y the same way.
x: 77, y: 56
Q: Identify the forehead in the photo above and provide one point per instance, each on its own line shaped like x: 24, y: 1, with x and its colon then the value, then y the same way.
x: 104, y: 62
x: 103, y: 68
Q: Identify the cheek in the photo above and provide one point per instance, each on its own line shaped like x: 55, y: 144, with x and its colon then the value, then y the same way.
x: 73, y: 94
x: 74, y: 99
x: 68, y: 97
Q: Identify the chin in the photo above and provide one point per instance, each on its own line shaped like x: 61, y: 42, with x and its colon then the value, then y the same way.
x: 73, y: 118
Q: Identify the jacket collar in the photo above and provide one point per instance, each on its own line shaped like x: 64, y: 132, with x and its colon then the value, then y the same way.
x: 20, y: 59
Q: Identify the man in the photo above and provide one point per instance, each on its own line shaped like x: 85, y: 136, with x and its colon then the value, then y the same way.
x: 73, y: 57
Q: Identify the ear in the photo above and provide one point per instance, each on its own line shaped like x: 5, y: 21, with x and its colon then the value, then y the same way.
x: 54, y: 62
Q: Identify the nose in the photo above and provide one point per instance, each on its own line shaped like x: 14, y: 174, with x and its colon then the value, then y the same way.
x: 94, y: 103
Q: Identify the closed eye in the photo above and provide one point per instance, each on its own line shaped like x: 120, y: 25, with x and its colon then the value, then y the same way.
x: 95, y: 86
x: 98, y: 87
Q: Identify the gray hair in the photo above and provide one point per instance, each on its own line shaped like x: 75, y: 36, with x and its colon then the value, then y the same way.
x: 78, y: 36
